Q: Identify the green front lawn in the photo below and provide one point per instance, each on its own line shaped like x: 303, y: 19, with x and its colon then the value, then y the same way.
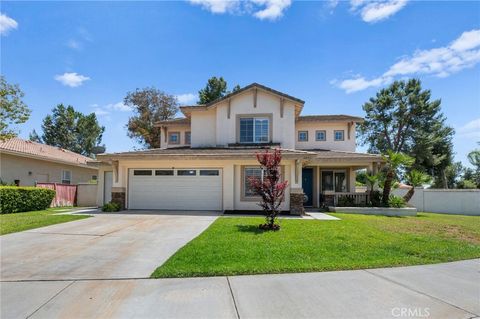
x: 235, y: 245
x: 11, y: 223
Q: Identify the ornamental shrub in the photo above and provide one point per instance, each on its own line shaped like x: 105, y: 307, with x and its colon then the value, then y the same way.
x: 15, y: 199
x: 396, y: 201
x: 111, y: 207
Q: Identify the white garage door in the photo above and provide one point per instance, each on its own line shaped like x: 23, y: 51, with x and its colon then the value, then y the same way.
x: 175, y: 189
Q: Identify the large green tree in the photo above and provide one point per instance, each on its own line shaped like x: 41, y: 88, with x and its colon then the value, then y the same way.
x: 149, y: 105
x: 71, y: 130
x: 403, y: 118
x: 13, y: 110
x: 214, y: 89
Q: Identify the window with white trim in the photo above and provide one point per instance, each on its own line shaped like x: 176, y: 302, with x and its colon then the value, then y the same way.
x: 303, y: 136
x: 320, y: 135
x: 174, y: 138
x: 339, y: 135
x: 66, y: 177
x: 251, y: 172
x: 254, y: 130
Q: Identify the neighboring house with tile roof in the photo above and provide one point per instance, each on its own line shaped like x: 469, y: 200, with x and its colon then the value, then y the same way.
x: 25, y: 163
x: 206, y: 156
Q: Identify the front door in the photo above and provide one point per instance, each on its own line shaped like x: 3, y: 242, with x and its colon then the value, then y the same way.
x: 307, y: 184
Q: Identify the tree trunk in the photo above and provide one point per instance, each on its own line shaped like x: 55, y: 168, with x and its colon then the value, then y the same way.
x: 387, y: 188
x: 408, y: 196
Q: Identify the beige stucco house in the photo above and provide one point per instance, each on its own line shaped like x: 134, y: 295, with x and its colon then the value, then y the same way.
x: 205, y: 158
x: 26, y: 163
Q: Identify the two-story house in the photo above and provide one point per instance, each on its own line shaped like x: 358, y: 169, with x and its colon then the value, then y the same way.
x: 206, y: 157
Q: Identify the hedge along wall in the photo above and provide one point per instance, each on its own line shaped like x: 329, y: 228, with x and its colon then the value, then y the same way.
x: 15, y: 199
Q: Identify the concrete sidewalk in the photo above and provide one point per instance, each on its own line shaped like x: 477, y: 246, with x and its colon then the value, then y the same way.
x: 449, y: 290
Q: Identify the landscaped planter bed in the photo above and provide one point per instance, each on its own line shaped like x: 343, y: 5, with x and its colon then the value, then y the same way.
x: 383, y: 211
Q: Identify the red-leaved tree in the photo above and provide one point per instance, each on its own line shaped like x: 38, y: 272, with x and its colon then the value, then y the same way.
x: 270, y: 188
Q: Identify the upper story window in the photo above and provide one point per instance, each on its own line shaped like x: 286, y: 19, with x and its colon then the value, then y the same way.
x: 188, y: 138
x: 320, y: 135
x: 66, y: 177
x: 174, y: 138
x: 339, y: 135
x: 303, y: 136
x: 254, y: 130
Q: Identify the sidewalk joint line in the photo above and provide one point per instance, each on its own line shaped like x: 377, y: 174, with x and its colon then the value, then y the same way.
x: 233, y: 297
x: 41, y: 306
x: 419, y: 292
x: 77, y: 279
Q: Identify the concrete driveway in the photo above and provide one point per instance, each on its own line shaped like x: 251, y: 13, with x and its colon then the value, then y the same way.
x: 106, y: 246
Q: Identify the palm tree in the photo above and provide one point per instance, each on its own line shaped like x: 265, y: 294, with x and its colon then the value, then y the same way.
x: 474, y: 158
x: 394, y: 162
x: 415, y: 178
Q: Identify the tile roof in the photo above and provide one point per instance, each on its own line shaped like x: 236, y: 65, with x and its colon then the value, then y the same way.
x: 338, y: 155
x: 47, y: 152
x: 203, y: 152
x: 178, y: 121
x: 329, y: 118
x: 238, y: 152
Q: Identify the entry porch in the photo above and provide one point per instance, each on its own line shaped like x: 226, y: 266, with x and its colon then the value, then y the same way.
x: 326, y: 182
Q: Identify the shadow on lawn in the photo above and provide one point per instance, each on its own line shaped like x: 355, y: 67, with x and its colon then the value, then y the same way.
x: 254, y: 229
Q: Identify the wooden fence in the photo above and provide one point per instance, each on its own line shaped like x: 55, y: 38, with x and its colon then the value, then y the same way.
x: 65, y: 194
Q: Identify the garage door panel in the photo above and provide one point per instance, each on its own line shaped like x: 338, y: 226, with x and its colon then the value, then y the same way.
x: 184, y: 192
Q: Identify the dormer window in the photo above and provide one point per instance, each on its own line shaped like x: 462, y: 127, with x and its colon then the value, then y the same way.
x: 254, y: 130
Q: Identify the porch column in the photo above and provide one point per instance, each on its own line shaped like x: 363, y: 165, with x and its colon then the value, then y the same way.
x: 296, y: 190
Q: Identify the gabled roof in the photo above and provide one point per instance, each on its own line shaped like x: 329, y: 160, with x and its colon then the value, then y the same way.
x: 17, y: 146
x: 329, y: 118
x: 257, y: 85
x: 186, y: 109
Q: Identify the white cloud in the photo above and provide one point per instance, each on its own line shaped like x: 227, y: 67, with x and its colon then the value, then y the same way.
x: 467, y: 41
x: 187, y: 98
x: 74, y: 44
x: 470, y: 130
x: 376, y: 10
x: 7, y: 24
x: 106, y: 110
x: 118, y: 107
x: 216, y: 6
x: 261, y: 9
x: 359, y: 83
x: 273, y: 9
x: 462, y: 53
x: 72, y: 79
x: 100, y: 112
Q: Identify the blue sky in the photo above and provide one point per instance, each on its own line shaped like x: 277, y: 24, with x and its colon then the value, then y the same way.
x: 334, y: 55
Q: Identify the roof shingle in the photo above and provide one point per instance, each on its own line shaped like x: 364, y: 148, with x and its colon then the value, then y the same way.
x: 329, y: 118
x: 17, y: 145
